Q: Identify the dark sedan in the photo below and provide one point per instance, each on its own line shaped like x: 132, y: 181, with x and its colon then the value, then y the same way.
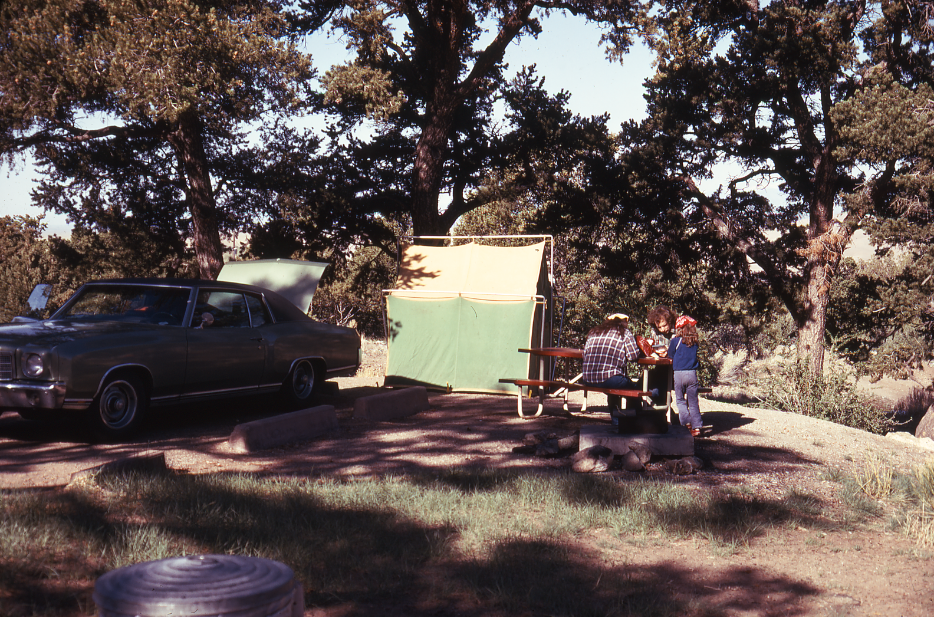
x: 118, y: 347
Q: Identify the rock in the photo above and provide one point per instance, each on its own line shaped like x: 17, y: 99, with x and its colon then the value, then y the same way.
x: 680, y: 467
x: 642, y: 451
x: 554, y: 445
x: 695, y: 462
x: 533, y: 439
x: 909, y: 439
x: 632, y: 462
x: 544, y: 443
x: 547, y: 448
x: 592, y: 460
x: 926, y: 425
x: 571, y: 442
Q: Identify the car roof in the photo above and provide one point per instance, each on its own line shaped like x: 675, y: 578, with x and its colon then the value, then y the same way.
x: 282, y: 309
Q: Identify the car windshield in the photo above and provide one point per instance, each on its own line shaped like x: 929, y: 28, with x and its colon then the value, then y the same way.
x: 134, y: 303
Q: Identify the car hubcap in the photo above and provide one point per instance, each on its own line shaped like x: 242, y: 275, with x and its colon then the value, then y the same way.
x: 303, y: 380
x: 118, y: 404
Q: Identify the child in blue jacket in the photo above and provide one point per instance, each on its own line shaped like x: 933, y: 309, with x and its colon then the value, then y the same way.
x: 683, y: 352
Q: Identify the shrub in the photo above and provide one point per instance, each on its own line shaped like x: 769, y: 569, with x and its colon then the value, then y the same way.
x: 832, y: 396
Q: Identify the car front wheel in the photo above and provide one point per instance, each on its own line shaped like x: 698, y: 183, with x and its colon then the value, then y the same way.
x: 120, y: 407
x: 300, y: 385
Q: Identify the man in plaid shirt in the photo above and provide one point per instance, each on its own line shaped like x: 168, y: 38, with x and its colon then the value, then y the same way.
x: 609, y: 347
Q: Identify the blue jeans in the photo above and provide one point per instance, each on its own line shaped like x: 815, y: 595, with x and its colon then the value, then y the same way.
x: 688, y: 413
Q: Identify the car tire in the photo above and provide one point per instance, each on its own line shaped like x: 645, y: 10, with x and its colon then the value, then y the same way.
x: 301, y: 385
x: 120, y: 407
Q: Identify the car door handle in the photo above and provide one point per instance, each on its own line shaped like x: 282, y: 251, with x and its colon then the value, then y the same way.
x: 259, y: 338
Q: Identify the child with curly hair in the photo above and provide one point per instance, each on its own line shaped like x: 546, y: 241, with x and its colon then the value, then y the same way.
x: 683, y: 352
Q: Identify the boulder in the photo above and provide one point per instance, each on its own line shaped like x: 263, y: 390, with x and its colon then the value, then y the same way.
x: 547, y: 448
x: 681, y: 466
x: 550, y: 443
x: 632, y: 462
x: 594, y: 459
x: 642, y: 451
x: 533, y: 439
x: 926, y: 425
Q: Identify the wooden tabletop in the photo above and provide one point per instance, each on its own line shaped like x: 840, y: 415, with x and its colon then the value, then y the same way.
x: 556, y: 352
x: 570, y: 352
x: 655, y: 361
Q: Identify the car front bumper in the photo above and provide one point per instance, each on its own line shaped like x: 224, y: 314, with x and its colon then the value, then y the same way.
x: 19, y: 395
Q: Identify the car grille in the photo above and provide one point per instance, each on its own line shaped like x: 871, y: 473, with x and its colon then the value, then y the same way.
x: 6, y: 366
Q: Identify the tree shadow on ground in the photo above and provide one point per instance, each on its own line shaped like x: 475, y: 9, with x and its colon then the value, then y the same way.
x: 351, y: 559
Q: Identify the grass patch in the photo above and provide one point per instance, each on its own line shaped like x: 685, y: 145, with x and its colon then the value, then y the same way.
x: 506, y: 541
x: 916, y: 515
x: 876, y: 478
x: 909, y: 496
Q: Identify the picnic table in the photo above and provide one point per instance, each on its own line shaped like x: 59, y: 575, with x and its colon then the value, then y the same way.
x: 656, y: 373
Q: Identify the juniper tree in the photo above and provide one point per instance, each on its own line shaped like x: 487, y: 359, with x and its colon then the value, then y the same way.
x: 420, y: 72
x: 827, y: 102
x: 173, y: 80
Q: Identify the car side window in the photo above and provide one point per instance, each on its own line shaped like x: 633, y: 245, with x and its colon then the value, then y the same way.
x: 259, y: 314
x: 227, y: 309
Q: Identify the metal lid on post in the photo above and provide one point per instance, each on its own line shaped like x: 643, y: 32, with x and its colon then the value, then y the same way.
x: 199, y: 585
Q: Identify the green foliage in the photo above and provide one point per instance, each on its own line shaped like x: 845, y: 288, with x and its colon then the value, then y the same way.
x: 174, y: 81
x: 820, y: 99
x: 421, y: 73
x: 25, y: 261
x: 354, y: 296
x: 831, y: 396
x: 874, y: 318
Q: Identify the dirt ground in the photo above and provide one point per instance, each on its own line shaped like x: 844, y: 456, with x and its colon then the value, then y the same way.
x: 757, y: 454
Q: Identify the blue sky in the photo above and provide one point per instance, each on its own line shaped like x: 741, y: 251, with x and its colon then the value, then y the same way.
x: 567, y: 55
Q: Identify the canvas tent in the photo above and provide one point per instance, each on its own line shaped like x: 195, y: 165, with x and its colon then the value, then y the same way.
x: 458, y: 315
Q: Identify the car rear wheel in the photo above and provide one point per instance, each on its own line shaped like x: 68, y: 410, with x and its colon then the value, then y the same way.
x: 300, y: 386
x: 120, y: 407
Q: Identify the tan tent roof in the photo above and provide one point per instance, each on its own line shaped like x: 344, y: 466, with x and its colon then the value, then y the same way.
x: 470, y: 270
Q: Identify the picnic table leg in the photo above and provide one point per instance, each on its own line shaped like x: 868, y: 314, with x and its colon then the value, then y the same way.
x: 519, y: 406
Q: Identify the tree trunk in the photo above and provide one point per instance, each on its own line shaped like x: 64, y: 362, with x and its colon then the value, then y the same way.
x: 188, y: 143
x: 813, y: 319
x: 430, y: 154
x: 431, y: 151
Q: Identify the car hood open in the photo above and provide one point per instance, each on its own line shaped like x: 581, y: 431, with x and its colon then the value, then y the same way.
x: 294, y: 280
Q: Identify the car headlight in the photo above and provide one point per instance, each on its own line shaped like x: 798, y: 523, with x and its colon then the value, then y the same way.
x: 33, y: 365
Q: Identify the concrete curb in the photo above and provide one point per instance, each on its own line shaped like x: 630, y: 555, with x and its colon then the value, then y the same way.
x: 283, y: 429
x: 391, y: 405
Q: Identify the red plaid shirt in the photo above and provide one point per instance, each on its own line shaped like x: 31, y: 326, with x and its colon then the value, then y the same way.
x: 606, y: 355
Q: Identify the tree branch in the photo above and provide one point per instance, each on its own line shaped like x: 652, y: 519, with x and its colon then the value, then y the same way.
x: 78, y: 135
x: 494, y: 52
x: 727, y: 232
